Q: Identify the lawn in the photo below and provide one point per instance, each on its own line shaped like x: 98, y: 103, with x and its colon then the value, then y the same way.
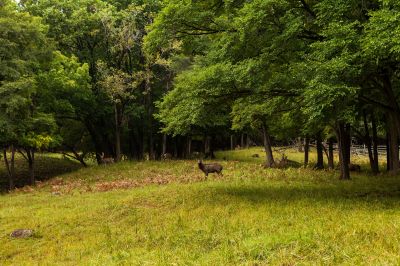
x: 166, y: 213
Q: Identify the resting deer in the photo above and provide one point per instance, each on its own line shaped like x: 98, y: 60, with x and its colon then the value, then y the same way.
x: 210, y: 168
x: 354, y: 167
x: 106, y: 160
x: 282, y: 162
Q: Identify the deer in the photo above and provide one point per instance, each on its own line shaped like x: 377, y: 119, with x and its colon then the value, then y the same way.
x: 210, y: 168
x: 354, y: 167
x: 166, y: 156
x: 106, y: 160
x: 282, y: 163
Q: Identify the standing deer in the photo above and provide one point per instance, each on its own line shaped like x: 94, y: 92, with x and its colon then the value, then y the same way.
x: 106, y: 160
x: 210, y: 168
x: 166, y: 156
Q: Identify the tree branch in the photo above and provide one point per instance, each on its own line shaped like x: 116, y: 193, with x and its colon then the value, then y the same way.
x: 307, y: 8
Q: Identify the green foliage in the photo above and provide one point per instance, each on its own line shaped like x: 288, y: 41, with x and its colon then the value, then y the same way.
x: 25, y: 50
x: 196, y: 100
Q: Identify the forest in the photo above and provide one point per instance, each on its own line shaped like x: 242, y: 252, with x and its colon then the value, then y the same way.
x: 143, y: 78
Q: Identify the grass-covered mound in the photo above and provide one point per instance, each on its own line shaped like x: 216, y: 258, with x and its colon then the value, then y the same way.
x: 165, y: 213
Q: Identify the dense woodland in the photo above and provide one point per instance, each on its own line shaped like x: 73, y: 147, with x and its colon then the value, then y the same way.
x: 145, y: 78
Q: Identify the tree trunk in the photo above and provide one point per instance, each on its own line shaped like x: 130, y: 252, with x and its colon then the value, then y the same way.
x: 393, y: 144
x: 306, y: 150
x: 10, y: 166
x: 344, y: 145
x: 388, y: 163
x: 164, y: 144
x: 31, y: 165
x: 206, y: 141
x: 152, y: 154
x: 268, y: 147
x: 188, y: 147
x: 331, y: 163
x: 176, y: 147
x: 211, y: 146
x: 150, y: 117
x: 118, y: 122
x: 320, y: 153
x: 232, y: 144
x: 368, y: 142
x: 375, y: 143
x: 393, y: 123
x: 247, y: 141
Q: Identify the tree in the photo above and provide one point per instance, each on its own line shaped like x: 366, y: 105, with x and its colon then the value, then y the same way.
x: 25, y: 51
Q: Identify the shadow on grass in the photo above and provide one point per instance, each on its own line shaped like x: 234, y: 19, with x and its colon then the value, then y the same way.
x: 45, y: 168
x: 346, y: 193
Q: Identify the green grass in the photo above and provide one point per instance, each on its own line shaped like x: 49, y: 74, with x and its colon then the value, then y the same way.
x: 165, y: 213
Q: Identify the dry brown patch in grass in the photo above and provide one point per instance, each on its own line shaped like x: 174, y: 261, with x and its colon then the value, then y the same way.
x: 117, y: 184
x: 154, y: 180
x: 68, y: 186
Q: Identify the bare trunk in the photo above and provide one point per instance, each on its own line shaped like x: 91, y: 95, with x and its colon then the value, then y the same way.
x: 367, y: 140
x: 206, y: 141
x: 176, y: 147
x: 344, y: 145
x: 320, y: 153
x: 152, y: 155
x: 331, y: 163
x: 393, y: 144
x: 10, y: 166
x: 31, y: 165
x: 232, y: 144
x: 393, y: 124
x: 375, y: 144
x: 211, y: 146
x: 268, y: 147
x: 388, y: 163
x: 164, y: 144
x: 188, y: 146
x: 117, y: 133
x: 306, y: 150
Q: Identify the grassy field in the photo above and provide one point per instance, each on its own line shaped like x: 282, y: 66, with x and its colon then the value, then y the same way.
x: 166, y: 213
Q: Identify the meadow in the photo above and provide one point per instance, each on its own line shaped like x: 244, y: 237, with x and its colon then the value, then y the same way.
x: 167, y: 213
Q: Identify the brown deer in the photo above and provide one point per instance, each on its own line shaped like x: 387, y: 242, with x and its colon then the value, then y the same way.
x: 106, y: 160
x: 282, y: 162
x: 166, y: 156
x: 354, y: 167
x: 210, y: 168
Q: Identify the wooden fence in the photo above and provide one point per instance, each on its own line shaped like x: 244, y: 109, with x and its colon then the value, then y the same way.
x: 363, y: 149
